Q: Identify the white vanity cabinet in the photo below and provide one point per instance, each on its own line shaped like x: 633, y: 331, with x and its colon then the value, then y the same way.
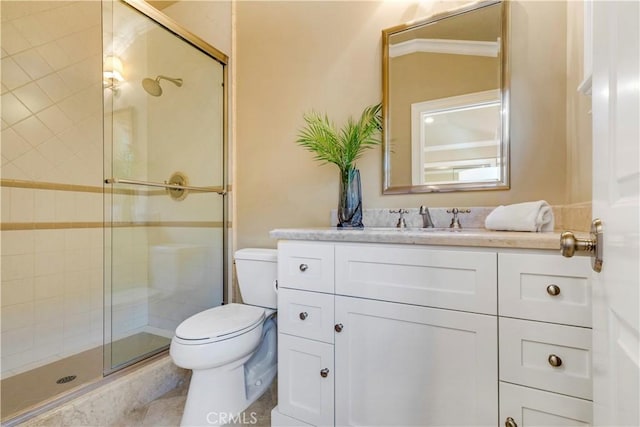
x: 545, y: 340
x: 412, y: 335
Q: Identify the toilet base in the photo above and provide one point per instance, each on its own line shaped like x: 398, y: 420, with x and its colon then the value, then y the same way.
x: 215, y: 395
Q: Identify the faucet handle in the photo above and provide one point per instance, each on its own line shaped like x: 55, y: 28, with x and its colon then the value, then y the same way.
x: 401, y: 221
x: 455, y: 222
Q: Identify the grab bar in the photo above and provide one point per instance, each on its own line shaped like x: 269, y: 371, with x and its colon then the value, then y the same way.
x: 166, y: 185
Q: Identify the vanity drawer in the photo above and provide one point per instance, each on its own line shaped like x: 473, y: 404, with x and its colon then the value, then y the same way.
x: 306, y: 266
x: 455, y: 279
x: 536, y: 408
x: 526, y: 288
x: 306, y: 314
x: 526, y: 356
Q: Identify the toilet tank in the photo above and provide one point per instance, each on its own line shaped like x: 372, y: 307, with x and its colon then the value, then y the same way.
x: 257, y: 272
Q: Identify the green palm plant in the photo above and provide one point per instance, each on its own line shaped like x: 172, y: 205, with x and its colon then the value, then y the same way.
x: 343, y: 147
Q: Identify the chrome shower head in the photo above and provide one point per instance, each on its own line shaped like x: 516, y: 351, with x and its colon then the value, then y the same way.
x: 152, y: 86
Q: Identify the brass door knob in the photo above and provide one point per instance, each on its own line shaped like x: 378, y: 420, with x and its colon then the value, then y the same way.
x: 553, y: 290
x: 554, y: 360
x: 510, y: 422
x: 570, y: 244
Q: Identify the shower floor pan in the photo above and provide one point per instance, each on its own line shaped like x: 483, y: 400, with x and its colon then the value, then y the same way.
x: 22, y: 392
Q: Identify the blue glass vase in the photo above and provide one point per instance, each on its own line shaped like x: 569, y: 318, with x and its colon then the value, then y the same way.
x: 350, y: 204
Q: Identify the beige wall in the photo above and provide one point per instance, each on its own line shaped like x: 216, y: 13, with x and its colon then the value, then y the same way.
x: 293, y: 57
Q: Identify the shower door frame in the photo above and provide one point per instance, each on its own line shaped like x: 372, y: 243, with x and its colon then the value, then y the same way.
x: 193, y: 40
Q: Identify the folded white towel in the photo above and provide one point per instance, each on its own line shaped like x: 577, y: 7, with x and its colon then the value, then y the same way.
x: 529, y: 216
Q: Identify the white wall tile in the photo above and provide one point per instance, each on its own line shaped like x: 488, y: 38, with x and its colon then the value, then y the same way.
x: 13, y: 145
x: 45, y: 208
x: 54, y: 87
x: 16, y: 317
x: 50, y: 310
x: 17, y: 291
x: 55, y: 56
x: 33, y: 97
x: 49, y: 240
x: 12, y: 41
x: 55, y: 119
x: 17, y: 242
x: 5, y: 204
x: 22, y: 205
x: 50, y: 286
x: 48, y: 263
x: 34, y: 64
x: 34, y: 165
x: 33, y: 131
x: 12, y: 109
x: 12, y: 75
x: 65, y: 205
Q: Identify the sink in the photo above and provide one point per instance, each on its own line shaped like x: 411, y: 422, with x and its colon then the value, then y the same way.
x: 408, y: 229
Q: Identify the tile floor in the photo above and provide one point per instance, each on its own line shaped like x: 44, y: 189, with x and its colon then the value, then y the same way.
x: 166, y: 410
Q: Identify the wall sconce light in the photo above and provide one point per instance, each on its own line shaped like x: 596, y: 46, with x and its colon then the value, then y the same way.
x: 112, y: 73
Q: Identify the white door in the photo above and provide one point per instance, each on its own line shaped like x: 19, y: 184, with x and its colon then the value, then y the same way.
x: 616, y: 322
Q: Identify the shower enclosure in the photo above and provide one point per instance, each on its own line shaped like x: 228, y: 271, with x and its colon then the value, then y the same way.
x: 113, y: 191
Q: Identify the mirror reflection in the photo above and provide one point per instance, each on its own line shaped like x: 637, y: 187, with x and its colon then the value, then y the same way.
x: 445, y: 102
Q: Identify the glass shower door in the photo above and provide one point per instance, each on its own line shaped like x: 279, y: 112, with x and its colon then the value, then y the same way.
x: 165, y: 179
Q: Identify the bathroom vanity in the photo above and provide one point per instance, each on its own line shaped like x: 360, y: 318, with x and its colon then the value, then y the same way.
x: 414, y: 327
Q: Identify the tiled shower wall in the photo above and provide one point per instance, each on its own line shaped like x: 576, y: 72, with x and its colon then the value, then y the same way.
x: 52, y: 202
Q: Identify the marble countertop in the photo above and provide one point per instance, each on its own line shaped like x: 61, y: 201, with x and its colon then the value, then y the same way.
x: 478, y: 237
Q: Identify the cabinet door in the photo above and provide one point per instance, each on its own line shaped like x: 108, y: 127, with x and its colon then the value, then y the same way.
x: 305, y: 380
x: 405, y: 365
x: 528, y: 407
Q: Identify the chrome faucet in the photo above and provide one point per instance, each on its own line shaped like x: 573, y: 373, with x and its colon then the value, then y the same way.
x: 426, y: 217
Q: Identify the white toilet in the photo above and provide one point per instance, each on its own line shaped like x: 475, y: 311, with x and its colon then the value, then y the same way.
x: 232, y: 348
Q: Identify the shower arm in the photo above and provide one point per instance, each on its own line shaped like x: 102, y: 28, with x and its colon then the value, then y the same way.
x: 166, y: 185
x: 177, y: 82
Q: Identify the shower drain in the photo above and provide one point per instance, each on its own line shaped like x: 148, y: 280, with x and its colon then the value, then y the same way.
x: 66, y: 379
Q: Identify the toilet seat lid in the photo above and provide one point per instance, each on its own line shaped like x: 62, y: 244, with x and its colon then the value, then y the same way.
x: 219, y: 322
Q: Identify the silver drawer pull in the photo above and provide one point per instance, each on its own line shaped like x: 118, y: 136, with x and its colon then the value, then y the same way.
x: 510, y: 422
x: 554, y: 360
x: 553, y: 290
x: 324, y: 373
x: 303, y: 315
x: 303, y: 267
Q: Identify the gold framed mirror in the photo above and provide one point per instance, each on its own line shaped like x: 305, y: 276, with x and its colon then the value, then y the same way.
x: 446, y: 102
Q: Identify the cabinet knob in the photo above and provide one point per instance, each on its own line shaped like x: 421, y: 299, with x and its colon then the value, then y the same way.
x: 338, y: 327
x: 553, y: 290
x: 303, y: 267
x: 324, y: 373
x: 303, y: 315
x: 510, y: 422
x: 554, y: 360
